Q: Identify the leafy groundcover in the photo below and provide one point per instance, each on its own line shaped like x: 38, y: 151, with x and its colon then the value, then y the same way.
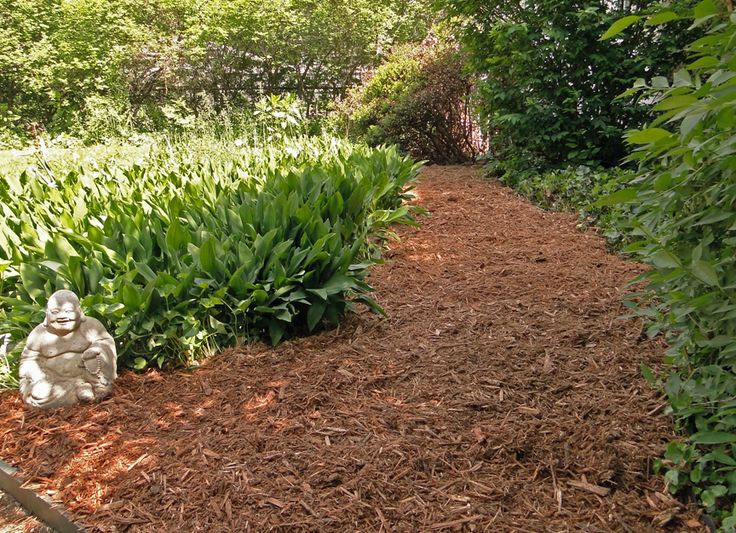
x: 179, y: 257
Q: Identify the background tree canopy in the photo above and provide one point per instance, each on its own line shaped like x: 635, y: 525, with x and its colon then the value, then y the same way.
x: 57, y: 58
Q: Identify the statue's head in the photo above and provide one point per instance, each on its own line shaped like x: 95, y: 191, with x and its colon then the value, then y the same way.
x: 63, y: 313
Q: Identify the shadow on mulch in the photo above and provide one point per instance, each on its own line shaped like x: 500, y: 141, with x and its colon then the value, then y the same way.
x: 502, y: 394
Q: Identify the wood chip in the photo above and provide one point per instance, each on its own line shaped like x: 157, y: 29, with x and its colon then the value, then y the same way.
x: 589, y: 487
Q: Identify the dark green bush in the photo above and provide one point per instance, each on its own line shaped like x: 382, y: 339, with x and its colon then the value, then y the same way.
x: 548, y: 85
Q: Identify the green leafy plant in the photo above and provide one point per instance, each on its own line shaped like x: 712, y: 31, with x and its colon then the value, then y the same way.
x: 158, y: 59
x: 420, y: 100
x: 683, y: 214
x: 280, y: 116
x: 180, y: 256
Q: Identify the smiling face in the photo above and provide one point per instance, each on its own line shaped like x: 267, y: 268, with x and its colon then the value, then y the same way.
x: 63, y: 313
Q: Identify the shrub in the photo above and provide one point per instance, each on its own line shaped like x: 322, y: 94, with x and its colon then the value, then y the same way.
x: 147, y: 54
x: 547, y: 84
x: 419, y: 99
x: 104, y: 118
x: 179, y: 257
x: 683, y: 202
x: 280, y: 116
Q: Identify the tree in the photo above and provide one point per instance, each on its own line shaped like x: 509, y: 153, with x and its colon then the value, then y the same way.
x: 61, y: 61
x: 549, y: 84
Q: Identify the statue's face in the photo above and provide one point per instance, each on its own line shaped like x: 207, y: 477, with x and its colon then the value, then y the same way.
x: 63, y: 315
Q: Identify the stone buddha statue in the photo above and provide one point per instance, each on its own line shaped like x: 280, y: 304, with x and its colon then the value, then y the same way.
x: 67, y: 359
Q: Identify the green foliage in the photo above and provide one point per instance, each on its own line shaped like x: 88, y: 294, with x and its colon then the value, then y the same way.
x: 684, y: 218
x: 579, y: 190
x: 278, y: 117
x: 419, y: 99
x: 180, y: 255
x: 60, y: 59
x: 548, y: 88
x: 55, y: 54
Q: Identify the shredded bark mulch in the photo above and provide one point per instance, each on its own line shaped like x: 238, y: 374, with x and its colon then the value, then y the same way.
x: 502, y: 394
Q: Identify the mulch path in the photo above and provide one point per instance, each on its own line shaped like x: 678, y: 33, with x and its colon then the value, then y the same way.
x: 501, y: 394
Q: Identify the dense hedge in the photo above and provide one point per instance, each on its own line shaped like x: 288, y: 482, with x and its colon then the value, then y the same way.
x: 71, y: 66
x: 683, y: 214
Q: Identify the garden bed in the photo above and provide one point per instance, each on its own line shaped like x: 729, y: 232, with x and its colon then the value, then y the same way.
x: 502, y: 393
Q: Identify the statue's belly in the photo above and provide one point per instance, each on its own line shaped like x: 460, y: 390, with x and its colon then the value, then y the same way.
x: 66, y: 365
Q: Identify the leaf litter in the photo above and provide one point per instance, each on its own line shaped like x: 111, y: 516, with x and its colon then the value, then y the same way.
x: 503, y: 393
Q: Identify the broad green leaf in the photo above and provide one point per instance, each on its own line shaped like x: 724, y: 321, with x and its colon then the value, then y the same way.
x: 664, y: 259
x: 176, y: 236
x: 661, y: 18
x: 322, y: 293
x: 208, y: 257
x: 646, y: 136
x: 712, y: 437
x: 314, y: 314
x: 237, y: 281
x: 276, y: 331
x: 339, y: 283
x: 660, y: 82
x: 675, y: 102
x: 705, y: 272
x: 704, y: 62
x: 721, y: 457
x: 76, y: 274
x: 33, y: 282
x: 618, y: 197
x: 64, y: 250
x: 145, y: 271
x: 619, y: 26
x: 130, y: 297
x: 714, y: 215
x: 690, y: 122
x: 372, y: 305
x: 705, y: 8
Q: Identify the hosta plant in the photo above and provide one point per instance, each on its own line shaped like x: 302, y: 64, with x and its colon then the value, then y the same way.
x: 180, y: 256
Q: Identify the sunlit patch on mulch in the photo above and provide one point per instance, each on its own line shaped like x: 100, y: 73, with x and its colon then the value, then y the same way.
x: 502, y: 394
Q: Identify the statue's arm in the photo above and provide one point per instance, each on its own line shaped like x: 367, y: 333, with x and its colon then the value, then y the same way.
x: 29, y: 368
x: 102, y: 347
